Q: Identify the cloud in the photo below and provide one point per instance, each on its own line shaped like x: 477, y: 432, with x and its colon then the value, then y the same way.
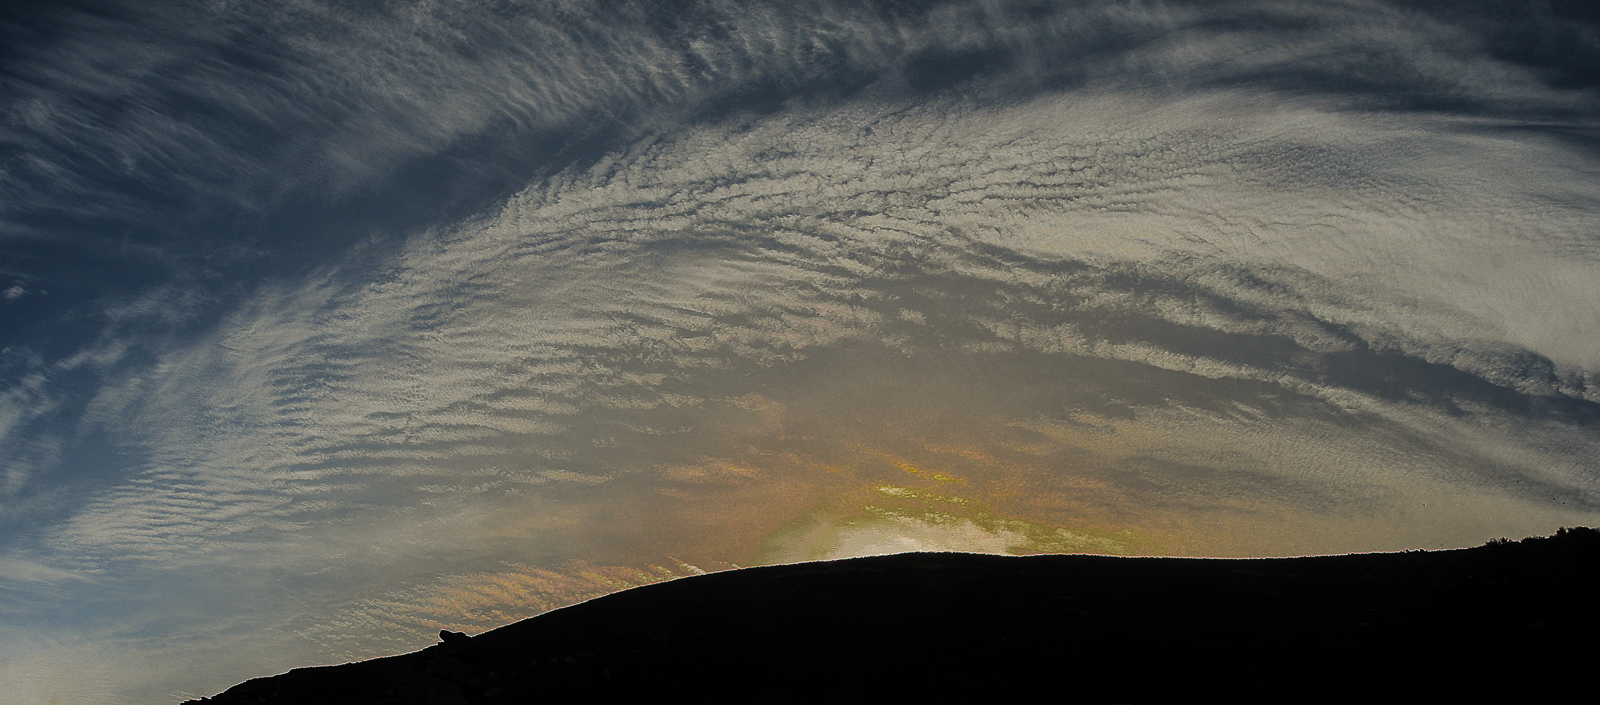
x: 24, y: 570
x: 22, y: 406
x: 581, y: 331
x: 222, y: 104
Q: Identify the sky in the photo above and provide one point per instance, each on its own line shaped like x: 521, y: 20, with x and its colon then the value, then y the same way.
x: 328, y: 325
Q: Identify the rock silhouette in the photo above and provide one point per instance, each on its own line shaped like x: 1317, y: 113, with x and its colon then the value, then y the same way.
x: 1508, y: 619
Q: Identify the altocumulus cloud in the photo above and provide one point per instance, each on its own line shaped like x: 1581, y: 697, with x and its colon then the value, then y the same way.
x: 778, y: 283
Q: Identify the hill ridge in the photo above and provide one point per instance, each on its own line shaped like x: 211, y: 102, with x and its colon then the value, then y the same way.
x: 1094, y: 628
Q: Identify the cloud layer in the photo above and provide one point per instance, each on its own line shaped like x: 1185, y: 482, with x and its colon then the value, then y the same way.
x: 688, y: 286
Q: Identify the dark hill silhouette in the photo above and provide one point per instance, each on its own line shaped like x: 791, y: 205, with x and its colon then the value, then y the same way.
x: 1508, y: 619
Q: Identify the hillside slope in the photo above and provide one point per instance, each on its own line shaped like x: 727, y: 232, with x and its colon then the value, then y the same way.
x: 1507, y: 617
